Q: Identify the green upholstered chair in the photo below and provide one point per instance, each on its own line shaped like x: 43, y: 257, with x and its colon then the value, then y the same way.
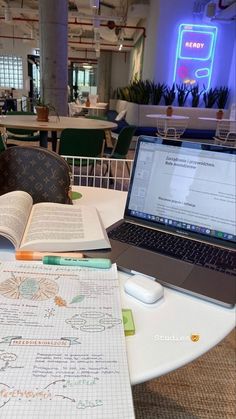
x: 20, y: 134
x: 82, y: 143
x: 121, y: 144
x: 101, y: 117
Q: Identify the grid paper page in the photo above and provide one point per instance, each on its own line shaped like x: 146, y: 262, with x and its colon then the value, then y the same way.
x: 62, y: 344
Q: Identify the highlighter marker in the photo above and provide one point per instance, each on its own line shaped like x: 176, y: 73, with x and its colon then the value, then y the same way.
x: 88, y: 263
x: 28, y: 255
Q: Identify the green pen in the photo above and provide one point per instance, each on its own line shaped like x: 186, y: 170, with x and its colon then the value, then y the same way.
x: 98, y: 263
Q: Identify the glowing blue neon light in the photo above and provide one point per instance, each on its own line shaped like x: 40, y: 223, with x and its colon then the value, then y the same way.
x: 195, y: 45
x: 200, y: 72
x: 205, y: 51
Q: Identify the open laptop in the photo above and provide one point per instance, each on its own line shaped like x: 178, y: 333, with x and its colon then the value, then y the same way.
x: 179, y: 222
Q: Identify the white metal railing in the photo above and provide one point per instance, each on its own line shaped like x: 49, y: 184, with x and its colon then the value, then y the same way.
x: 100, y: 172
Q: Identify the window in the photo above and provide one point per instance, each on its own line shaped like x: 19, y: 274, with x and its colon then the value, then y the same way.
x: 11, y: 72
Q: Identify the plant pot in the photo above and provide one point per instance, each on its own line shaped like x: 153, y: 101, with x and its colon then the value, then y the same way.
x: 169, y: 111
x: 42, y: 113
x: 219, y: 114
x: 87, y: 103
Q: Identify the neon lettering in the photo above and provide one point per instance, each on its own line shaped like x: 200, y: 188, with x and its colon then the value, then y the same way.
x: 198, y: 45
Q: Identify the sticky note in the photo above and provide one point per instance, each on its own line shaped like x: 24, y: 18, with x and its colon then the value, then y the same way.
x: 128, y: 322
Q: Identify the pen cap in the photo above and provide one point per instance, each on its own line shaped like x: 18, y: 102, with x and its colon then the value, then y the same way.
x: 51, y: 260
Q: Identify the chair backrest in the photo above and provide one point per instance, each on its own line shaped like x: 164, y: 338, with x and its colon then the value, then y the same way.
x: 20, y: 131
x: 123, y: 142
x: 42, y: 173
x: 81, y: 142
x: 226, y: 129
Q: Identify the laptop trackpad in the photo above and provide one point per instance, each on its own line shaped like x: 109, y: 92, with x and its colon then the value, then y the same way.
x: 165, y: 269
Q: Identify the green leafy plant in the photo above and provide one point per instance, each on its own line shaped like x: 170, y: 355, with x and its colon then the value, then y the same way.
x: 156, y: 92
x: 182, y: 93
x: 223, y: 95
x: 43, y: 108
x: 210, y: 97
x: 140, y: 92
x: 169, y: 95
x: 196, y: 94
x: 42, y: 103
x: 137, y: 92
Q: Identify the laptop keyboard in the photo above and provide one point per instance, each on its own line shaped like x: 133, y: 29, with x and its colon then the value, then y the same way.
x: 177, y: 247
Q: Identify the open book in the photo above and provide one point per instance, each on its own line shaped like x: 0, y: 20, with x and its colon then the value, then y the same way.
x: 48, y: 226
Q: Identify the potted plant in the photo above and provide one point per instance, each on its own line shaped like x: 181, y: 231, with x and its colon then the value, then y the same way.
x: 169, y: 97
x: 42, y: 110
x: 182, y: 93
x: 223, y: 95
x: 194, y: 90
x: 210, y: 96
x: 156, y: 91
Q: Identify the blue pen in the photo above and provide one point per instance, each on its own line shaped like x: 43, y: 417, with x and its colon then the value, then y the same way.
x: 83, y: 262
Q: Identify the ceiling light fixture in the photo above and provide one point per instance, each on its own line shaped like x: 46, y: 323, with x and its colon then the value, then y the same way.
x: 87, y: 66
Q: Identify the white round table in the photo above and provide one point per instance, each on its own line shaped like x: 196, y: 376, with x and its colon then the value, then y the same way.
x: 162, y: 341
x: 170, y: 126
x: 172, y: 117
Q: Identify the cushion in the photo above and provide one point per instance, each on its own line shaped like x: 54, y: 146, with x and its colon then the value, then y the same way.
x: 111, y: 115
x: 120, y: 124
x: 121, y: 115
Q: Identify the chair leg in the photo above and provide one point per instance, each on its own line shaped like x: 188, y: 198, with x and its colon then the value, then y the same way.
x: 54, y: 140
x: 127, y: 165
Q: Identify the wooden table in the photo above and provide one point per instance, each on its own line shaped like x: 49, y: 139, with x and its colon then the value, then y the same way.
x: 54, y: 125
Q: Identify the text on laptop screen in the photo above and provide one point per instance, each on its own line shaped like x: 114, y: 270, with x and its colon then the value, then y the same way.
x: 183, y: 187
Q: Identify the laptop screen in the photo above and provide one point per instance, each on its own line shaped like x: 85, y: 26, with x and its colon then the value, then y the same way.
x: 184, y: 187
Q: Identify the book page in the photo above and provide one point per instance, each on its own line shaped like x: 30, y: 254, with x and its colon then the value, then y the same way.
x: 62, y: 352
x: 59, y: 227
x: 15, y: 209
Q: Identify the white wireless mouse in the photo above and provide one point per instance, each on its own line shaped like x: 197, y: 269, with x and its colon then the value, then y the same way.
x: 144, y: 289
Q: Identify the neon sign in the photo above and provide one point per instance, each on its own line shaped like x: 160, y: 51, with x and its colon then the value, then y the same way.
x: 194, y: 44
x: 195, y: 54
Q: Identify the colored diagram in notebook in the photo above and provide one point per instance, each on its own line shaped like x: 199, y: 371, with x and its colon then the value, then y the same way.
x: 27, y: 287
x: 93, y: 321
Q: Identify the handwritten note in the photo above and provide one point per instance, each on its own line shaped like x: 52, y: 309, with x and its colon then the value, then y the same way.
x: 62, y: 345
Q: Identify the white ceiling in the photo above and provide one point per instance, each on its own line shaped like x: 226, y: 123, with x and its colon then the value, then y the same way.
x: 127, y: 19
